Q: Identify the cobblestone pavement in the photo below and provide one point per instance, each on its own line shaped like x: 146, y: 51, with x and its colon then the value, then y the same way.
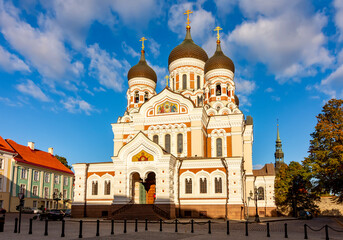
x: 218, y: 230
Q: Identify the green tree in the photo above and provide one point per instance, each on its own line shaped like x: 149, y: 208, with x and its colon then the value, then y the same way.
x: 63, y: 160
x: 293, y: 189
x: 325, y: 160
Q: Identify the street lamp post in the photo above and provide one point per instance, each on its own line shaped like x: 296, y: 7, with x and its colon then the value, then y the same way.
x: 257, y: 217
x: 249, y: 198
x: 57, y: 197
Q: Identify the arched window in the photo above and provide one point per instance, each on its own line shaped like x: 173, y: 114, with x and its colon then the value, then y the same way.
x: 95, y: 188
x: 167, y: 143
x: 136, y: 97
x: 203, y: 185
x: 219, y: 146
x: 146, y: 96
x: 198, y: 82
x: 218, y: 90
x: 260, y: 193
x: 188, y: 184
x: 218, y: 186
x: 155, y: 139
x: 179, y: 143
x: 107, y: 187
x: 184, y: 81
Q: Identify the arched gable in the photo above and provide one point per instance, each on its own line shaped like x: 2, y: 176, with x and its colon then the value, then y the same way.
x: 166, y: 103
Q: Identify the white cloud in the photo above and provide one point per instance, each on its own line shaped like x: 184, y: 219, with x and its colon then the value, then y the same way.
x: 161, y: 72
x: 154, y: 47
x: 44, y: 50
x: 269, y: 90
x: 258, y: 166
x: 333, y: 84
x: 108, y: 70
x: 202, y: 21
x: 10, y: 102
x: 75, y: 105
x: 31, y: 89
x: 290, y: 44
x: 129, y: 50
x: 244, y: 88
x: 339, y: 17
x: 225, y: 6
x: 10, y: 62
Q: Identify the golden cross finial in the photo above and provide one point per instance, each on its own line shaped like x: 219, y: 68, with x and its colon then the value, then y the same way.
x: 188, y: 12
x: 166, y: 77
x: 218, y: 29
x: 142, y: 40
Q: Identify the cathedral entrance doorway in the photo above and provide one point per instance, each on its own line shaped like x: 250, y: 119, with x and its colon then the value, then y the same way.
x: 143, y: 191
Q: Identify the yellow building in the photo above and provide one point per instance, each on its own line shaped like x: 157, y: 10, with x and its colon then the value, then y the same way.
x: 6, y: 155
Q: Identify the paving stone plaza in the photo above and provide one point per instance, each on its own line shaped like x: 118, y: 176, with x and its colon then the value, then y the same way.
x: 295, y: 229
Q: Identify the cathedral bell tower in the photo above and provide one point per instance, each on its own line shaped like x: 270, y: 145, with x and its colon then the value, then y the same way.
x: 219, y: 75
x: 279, y: 155
x: 142, y: 82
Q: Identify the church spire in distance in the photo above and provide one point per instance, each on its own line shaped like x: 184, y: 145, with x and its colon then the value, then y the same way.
x: 279, y: 155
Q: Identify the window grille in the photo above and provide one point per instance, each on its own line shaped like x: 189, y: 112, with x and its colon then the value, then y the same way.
x: 219, y: 144
x: 198, y: 82
x: 95, y: 188
x: 146, y: 96
x: 218, y: 185
x: 203, y: 185
x: 184, y: 81
x: 179, y: 143
x: 155, y: 139
x: 46, y: 192
x: 46, y: 177
x: 260, y: 193
x: 35, y: 191
x: 136, y: 97
x: 167, y: 143
x: 35, y: 175
x: 107, y: 189
x: 188, y: 185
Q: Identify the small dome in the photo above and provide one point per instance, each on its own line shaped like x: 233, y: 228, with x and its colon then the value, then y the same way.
x: 142, y: 69
x: 187, y: 49
x: 219, y: 60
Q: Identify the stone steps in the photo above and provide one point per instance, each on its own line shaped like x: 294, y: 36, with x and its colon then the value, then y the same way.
x: 138, y: 211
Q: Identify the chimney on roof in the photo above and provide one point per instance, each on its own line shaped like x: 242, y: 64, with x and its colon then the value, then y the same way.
x: 31, y: 145
x: 51, y: 151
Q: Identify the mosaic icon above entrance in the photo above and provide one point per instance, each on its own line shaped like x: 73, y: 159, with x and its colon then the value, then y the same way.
x: 142, y: 156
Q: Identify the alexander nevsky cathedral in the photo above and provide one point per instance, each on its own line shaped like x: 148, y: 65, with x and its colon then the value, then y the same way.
x: 183, y: 152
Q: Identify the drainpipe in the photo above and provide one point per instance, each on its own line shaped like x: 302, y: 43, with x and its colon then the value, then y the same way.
x: 86, y: 186
x: 178, y: 186
x: 227, y: 186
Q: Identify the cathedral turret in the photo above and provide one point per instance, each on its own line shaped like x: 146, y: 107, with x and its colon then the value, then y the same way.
x: 279, y: 155
x: 142, y: 82
x: 219, y: 73
x: 186, y: 67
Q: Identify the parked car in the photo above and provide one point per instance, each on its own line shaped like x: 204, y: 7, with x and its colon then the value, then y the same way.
x: 37, y: 211
x: 305, y: 215
x: 52, y: 215
x: 27, y: 210
x: 67, y: 212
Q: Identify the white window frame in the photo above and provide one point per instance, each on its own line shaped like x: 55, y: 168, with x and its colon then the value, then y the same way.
x: 65, y: 181
x: 65, y: 193
x: 20, y: 188
x: 35, y: 174
x: 46, y: 177
x: 46, y: 192
x: 23, y: 172
x: 57, y: 177
x: 33, y: 192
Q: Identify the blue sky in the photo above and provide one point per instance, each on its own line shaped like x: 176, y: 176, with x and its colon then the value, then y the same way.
x: 63, y: 66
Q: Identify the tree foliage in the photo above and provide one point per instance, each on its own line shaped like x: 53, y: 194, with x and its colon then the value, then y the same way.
x: 63, y: 160
x: 325, y: 160
x: 293, y: 189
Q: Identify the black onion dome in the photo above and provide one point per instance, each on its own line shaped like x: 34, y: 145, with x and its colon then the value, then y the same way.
x: 142, y: 69
x: 187, y: 49
x: 219, y: 60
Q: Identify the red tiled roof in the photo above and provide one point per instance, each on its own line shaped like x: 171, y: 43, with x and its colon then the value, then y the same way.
x: 37, y: 157
x: 5, y: 146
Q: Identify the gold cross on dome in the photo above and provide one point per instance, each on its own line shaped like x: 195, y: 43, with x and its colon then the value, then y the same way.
x: 142, y: 40
x: 188, y: 12
x: 166, y: 77
x: 218, y: 29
